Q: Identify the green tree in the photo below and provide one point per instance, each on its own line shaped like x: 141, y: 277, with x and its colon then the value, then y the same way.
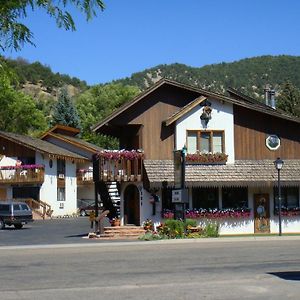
x: 98, y: 102
x: 14, y: 34
x: 18, y: 111
x: 289, y: 99
x: 64, y: 111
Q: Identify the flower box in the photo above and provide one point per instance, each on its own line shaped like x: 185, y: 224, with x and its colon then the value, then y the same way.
x: 206, y: 158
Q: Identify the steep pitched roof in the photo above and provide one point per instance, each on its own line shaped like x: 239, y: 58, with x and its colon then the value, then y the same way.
x: 41, y: 146
x: 241, y: 173
x: 240, y: 102
x: 78, y: 142
x: 62, y: 129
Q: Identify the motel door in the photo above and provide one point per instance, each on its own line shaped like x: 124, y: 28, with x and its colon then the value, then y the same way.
x: 132, y: 205
x: 261, y: 213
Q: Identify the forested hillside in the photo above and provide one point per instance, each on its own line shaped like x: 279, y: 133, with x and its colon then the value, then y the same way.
x: 248, y: 75
x: 33, y: 90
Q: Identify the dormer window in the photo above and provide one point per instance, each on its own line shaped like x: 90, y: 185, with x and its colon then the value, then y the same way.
x: 205, y: 141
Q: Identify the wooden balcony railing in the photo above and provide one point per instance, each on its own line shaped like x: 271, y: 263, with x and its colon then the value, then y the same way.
x: 22, y: 174
x: 121, y: 165
x: 84, y: 177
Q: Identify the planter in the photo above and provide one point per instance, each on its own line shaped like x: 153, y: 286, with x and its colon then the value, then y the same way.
x: 116, y: 222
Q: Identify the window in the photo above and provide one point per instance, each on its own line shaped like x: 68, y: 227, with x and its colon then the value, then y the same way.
x: 61, y: 194
x: 205, y: 198
x: 289, y: 197
x: 61, y: 166
x: 205, y: 141
x: 233, y: 197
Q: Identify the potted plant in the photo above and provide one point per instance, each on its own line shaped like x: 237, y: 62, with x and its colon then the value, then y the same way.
x: 115, y: 222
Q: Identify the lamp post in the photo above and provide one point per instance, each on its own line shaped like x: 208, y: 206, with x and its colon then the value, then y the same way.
x: 278, y: 165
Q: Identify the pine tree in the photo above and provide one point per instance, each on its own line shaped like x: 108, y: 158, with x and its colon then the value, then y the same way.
x: 64, y: 111
x: 289, y: 99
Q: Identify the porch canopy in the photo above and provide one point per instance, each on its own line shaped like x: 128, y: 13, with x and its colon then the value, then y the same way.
x: 251, y: 173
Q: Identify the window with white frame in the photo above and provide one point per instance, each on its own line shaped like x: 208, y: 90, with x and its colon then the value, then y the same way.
x: 205, y: 141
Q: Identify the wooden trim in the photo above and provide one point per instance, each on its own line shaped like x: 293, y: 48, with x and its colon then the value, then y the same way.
x: 62, y: 127
x: 84, y: 147
x: 184, y: 110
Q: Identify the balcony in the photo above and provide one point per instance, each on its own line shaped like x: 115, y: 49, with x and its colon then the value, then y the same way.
x: 84, y: 177
x: 121, y: 165
x: 22, y: 174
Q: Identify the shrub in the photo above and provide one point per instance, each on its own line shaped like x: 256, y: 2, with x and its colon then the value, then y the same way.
x: 175, y: 228
x: 190, y: 223
x: 151, y: 236
x: 211, y: 230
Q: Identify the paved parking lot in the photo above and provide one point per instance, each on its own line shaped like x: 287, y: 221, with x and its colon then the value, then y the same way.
x: 43, y: 232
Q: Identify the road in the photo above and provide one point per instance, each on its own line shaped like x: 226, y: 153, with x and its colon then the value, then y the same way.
x: 202, y: 269
x: 43, y: 232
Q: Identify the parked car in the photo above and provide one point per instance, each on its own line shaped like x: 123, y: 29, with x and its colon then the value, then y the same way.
x: 85, y: 206
x: 14, y: 213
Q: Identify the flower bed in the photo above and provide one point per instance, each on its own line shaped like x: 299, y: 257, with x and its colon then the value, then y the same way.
x: 288, y: 212
x: 236, y: 213
x: 206, y: 158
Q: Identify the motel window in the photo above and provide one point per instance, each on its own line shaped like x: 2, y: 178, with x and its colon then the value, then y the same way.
x: 289, y: 197
x: 61, y: 168
x: 205, y: 141
x: 61, y: 194
x: 205, y: 198
x: 234, y: 197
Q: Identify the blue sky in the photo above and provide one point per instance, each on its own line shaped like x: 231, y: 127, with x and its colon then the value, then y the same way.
x: 132, y: 35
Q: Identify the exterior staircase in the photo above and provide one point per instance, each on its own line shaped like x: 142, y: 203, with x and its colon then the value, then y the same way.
x: 122, y: 232
x: 40, y: 210
x: 114, y: 195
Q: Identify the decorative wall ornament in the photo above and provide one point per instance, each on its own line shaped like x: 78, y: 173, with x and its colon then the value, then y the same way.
x: 206, y: 114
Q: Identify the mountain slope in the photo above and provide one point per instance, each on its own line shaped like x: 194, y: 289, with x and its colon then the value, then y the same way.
x: 249, y: 75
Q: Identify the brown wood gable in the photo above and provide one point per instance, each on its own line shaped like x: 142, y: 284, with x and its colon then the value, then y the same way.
x: 156, y: 139
x: 251, y: 128
x: 184, y: 110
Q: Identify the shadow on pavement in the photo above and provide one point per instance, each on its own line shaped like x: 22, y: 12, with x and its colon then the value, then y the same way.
x: 76, y: 235
x: 291, y: 275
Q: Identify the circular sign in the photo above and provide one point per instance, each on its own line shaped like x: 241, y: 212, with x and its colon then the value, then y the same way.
x: 273, y: 142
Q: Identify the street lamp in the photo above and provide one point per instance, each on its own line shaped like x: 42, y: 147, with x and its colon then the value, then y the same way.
x: 278, y: 165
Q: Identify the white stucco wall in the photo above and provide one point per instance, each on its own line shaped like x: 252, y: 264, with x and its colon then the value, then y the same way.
x: 70, y: 206
x: 48, y: 191
x: 221, y: 119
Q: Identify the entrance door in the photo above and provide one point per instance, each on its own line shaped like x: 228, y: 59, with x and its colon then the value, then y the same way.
x: 132, y: 205
x: 261, y: 213
x: 2, y: 193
